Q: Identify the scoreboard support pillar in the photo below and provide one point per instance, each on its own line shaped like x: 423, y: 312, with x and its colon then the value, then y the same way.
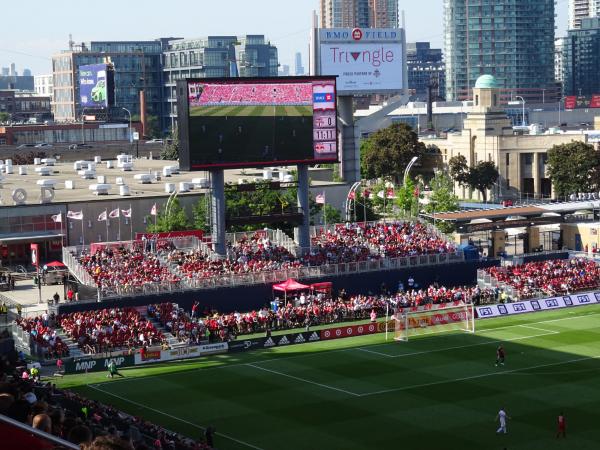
x: 349, y: 154
x: 303, y: 202
x: 217, y: 200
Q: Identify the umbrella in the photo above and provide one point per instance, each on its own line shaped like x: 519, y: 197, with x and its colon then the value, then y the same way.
x: 55, y: 264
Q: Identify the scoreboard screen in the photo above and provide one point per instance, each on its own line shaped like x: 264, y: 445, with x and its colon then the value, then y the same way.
x: 257, y: 122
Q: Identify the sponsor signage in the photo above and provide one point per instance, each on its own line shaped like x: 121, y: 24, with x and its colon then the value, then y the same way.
x: 541, y: 304
x: 364, y: 60
x: 246, y: 345
x: 83, y: 365
x: 575, y: 102
x: 291, y: 339
x: 181, y: 353
x: 349, y: 331
x: 94, y: 86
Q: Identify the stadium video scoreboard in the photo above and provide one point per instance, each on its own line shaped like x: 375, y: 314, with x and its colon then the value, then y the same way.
x: 256, y: 122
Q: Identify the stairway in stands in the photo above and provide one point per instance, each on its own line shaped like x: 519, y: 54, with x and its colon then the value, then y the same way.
x: 172, y: 341
x: 74, y: 350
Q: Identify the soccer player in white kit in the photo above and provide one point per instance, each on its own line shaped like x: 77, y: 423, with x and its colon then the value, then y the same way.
x: 502, y: 417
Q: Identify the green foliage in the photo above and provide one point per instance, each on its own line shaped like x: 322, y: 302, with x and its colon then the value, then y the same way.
x: 406, y: 200
x: 573, y: 167
x: 170, y: 150
x: 152, y: 125
x: 387, y: 152
x: 4, y: 116
x: 331, y: 214
x: 175, y: 219
x: 200, y: 214
x: 480, y: 177
x: 442, y: 198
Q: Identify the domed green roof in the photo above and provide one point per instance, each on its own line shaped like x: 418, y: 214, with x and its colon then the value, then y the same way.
x: 486, y: 82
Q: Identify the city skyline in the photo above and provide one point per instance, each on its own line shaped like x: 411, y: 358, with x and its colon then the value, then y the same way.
x: 289, y: 33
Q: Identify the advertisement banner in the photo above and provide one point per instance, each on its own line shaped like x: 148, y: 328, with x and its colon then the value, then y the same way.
x: 349, y: 331
x: 365, y: 61
x: 93, y: 86
x: 291, y: 339
x: 541, y: 304
x: 89, y: 364
x: 246, y: 344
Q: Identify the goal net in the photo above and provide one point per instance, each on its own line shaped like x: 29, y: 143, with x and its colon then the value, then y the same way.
x: 409, y: 322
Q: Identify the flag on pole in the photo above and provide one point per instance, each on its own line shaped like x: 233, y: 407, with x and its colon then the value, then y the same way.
x: 390, y: 193
x: 102, y: 217
x: 320, y: 198
x: 75, y: 215
x: 381, y: 194
x: 114, y: 214
x: 351, y: 195
x: 416, y: 192
x: 366, y: 193
x: 126, y: 212
x: 154, y: 210
x: 57, y: 218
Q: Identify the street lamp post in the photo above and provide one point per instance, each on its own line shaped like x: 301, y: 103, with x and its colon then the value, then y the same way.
x: 130, y: 131
x: 523, y: 103
x: 408, y: 167
x: 559, y: 103
x: 82, y: 124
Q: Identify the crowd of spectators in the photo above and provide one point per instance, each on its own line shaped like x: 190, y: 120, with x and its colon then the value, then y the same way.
x: 44, y: 335
x: 253, y: 94
x: 69, y: 416
x: 177, y: 322
x: 121, y: 268
x: 110, y: 329
x: 552, y: 277
x: 124, y: 268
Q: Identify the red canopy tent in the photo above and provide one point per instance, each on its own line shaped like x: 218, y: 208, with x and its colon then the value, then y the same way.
x: 55, y: 264
x: 289, y: 285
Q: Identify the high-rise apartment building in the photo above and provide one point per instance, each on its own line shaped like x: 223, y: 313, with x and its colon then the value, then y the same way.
x: 359, y: 13
x: 581, y: 9
x: 298, y: 67
x: 425, y: 67
x: 513, y: 40
x: 43, y: 85
x: 581, y: 64
x: 214, y: 56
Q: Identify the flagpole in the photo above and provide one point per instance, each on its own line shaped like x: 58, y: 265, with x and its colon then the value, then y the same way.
x: 82, y: 233
x: 62, y: 232
x: 106, y: 212
x: 131, y: 221
x: 119, y: 217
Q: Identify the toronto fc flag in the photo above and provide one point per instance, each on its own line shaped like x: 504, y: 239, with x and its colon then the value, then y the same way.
x: 114, y: 214
x: 154, y: 210
x: 57, y: 218
x: 75, y: 215
x: 102, y: 216
x: 320, y: 198
x: 126, y: 212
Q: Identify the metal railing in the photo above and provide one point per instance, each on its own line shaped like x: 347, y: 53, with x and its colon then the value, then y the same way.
x: 41, y: 435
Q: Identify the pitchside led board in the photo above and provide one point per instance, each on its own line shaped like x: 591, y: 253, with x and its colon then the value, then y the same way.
x: 96, y: 86
x: 365, y: 61
x: 256, y: 122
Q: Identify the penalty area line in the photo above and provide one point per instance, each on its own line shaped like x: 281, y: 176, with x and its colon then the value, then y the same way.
x: 200, y: 427
x: 475, y: 377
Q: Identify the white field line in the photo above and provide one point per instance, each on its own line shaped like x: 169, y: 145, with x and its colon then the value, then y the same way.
x: 200, y: 427
x: 474, y: 377
x: 304, y: 380
x: 438, y: 350
x: 540, y: 329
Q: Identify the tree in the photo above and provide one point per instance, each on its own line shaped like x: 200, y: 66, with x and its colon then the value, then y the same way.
x: 200, y: 214
x: 170, y: 150
x: 480, y: 177
x: 172, y: 219
x: 407, y: 198
x: 387, y: 152
x: 442, y: 198
x: 573, y: 167
x: 4, y: 116
x: 483, y: 176
x: 331, y: 214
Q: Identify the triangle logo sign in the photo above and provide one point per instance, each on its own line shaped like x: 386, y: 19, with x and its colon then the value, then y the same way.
x: 283, y: 341
x: 355, y: 55
x: 314, y: 337
x: 269, y: 343
x: 299, y: 339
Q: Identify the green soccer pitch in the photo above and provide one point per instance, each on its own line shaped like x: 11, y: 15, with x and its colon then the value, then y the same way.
x: 433, y: 392
x: 251, y: 111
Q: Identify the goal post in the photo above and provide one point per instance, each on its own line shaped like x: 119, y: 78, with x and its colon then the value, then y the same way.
x: 409, y: 322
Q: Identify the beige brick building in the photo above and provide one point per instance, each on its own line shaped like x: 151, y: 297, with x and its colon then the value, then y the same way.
x: 487, y: 135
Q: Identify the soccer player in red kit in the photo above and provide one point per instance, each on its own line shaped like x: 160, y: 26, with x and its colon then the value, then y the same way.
x: 500, y: 355
x: 562, y: 426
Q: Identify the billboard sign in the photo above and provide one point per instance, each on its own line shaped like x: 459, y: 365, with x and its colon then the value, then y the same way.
x: 257, y: 122
x: 574, y: 102
x: 93, y: 86
x: 365, y: 61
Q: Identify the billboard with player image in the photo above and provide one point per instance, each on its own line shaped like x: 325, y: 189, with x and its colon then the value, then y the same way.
x: 96, y: 85
x: 257, y: 122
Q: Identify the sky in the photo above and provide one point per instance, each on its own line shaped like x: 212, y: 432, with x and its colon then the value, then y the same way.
x: 31, y: 42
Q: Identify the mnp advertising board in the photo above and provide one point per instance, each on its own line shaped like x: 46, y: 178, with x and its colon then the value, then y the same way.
x: 365, y: 61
